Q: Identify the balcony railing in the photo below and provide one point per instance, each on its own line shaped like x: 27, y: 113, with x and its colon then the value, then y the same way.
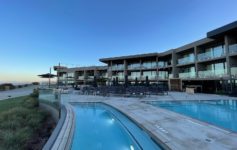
x: 119, y: 77
x: 81, y: 77
x: 212, y: 73
x: 171, y: 76
x: 162, y: 64
x: 163, y: 77
x: 233, y: 48
x: 148, y: 66
x: 117, y: 67
x: 149, y: 77
x: 186, y: 60
x: 209, y: 55
x: 134, y: 66
x: 187, y: 75
x: 133, y: 77
x: 234, y: 71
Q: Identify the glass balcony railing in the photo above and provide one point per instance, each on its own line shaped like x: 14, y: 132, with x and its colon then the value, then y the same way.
x: 162, y: 64
x: 81, y: 77
x: 187, y: 75
x: 234, y: 71
x: 134, y: 77
x: 233, y: 48
x: 149, y: 77
x: 119, y: 77
x: 186, y: 60
x: 117, y: 67
x: 163, y: 77
x: 134, y: 66
x: 211, y: 53
x: 171, y: 76
x: 150, y: 65
x: 212, y: 73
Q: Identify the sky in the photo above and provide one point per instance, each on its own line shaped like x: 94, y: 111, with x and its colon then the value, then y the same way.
x: 38, y: 34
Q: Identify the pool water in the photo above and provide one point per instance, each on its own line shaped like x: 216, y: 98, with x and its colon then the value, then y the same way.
x: 222, y: 113
x: 100, y: 127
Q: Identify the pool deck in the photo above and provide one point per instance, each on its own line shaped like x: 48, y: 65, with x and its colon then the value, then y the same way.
x: 175, y: 131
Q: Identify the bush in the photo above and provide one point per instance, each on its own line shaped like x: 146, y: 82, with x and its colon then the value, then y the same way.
x: 31, y: 102
x: 35, y: 93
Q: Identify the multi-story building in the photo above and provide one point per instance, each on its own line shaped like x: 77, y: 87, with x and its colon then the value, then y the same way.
x: 209, y: 64
x: 81, y: 75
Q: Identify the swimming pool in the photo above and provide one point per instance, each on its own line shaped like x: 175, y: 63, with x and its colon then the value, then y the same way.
x: 101, y: 127
x: 222, y: 113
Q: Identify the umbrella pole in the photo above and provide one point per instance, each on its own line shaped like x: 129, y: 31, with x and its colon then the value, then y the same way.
x: 49, y: 76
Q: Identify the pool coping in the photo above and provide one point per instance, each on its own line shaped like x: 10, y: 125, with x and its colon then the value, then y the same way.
x: 61, y: 138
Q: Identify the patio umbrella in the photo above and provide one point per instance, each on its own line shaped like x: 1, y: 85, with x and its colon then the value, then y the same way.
x: 47, y: 75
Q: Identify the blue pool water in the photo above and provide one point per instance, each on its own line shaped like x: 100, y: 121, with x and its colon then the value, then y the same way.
x: 222, y: 113
x: 100, y: 127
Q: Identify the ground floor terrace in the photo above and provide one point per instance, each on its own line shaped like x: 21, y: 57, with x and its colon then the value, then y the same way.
x: 169, y: 129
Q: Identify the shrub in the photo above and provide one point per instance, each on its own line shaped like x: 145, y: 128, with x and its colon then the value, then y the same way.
x: 35, y: 93
x: 31, y: 102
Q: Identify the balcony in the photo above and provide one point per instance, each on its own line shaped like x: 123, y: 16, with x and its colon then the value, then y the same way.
x: 163, y: 77
x: 134, y: 67
x: 187, y: 75
x: 120, y: 78
x: 162, y: 64
x: 171, y: 76
x: 81, y: 77
x: 150, y: 65
x: 133, y: 77
x: 234, y: 72
x: 149, y: 77
x: 186, y: 60
x: 117, y: 67
x: 212, y: 73
x: 212, y: 53
x: 233, y: 48
x: 209, y: 55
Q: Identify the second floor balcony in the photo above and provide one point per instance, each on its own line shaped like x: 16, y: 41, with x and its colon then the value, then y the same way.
x: 212, y: 73
x: 134, y: 66
x: 149, y: 65
x: 186, y: 60
x: 185, y: 75
x: 120, y: 78
x: 212, y: 53
x: 233, y: 48
x: 151, y: 77
x: 117, y: 67
x: 233, y: 72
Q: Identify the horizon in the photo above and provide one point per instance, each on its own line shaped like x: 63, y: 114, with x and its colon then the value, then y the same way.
x: 38, y: 35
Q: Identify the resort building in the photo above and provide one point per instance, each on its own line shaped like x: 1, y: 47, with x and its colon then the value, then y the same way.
x: 81, y: 75
x: 208, y: 65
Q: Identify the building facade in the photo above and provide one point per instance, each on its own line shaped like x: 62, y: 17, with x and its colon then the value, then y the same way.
x: 209, y: 65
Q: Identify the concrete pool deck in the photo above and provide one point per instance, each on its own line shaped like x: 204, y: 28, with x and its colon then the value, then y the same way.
x: 176, y: 131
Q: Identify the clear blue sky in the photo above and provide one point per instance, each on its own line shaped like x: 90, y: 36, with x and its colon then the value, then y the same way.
x: 37, y: 34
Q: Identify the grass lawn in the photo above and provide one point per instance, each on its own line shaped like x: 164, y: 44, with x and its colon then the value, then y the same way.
x: 21, y: 122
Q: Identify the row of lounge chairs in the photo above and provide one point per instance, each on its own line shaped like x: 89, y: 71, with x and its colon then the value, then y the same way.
x: 125, y: 91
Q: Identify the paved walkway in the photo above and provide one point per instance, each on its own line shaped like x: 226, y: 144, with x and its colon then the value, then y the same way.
x: 175, y: 131
x: 17, y: 92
